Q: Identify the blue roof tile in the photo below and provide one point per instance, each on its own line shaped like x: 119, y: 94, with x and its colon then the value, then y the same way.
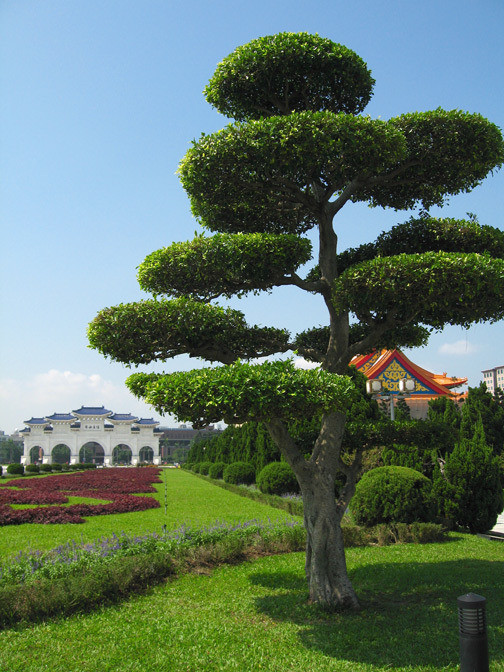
x: 92, y: 410
x: 36, y: 421
x: 123, y: 417
x: 60, y: 416
x: 147, y: 421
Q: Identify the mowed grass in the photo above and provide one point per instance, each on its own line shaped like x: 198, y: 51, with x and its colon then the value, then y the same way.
x: 190, y: 499
x: 255, y: 616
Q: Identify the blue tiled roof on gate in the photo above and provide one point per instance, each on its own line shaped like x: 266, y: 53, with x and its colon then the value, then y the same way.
x: 36, y: 421
x: 147, y: 421
x: 123, y: 417
x: 92, y: 410
x: 60, y: 416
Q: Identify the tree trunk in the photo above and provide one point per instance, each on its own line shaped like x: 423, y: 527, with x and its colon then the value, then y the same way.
x: 325, y: 567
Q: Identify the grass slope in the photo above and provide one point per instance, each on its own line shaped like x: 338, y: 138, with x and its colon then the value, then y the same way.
x: 255, y: 617
x: 190, y: 499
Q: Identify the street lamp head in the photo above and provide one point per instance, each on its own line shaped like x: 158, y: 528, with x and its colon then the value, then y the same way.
x: 406, y: 385
x: 373, y: 386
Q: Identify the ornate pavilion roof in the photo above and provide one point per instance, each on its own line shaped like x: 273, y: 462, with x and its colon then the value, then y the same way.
x: 390, y: 366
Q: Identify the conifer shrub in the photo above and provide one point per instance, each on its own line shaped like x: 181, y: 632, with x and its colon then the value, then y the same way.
x: 217, y: 469
x: 392, y: 495
x: 239, y: 473
x: 469, y: 491
x: 277, y: 478
x: 32, y: 469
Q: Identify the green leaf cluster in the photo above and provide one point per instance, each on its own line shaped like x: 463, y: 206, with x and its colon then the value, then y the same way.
x: 434, y: 288
x: 257, y: 176
x: 242, y: 392
x: 224, y: 264
x: 278, y: 74
x: 146, y: 331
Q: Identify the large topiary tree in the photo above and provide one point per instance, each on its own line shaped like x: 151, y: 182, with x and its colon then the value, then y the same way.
x: 298, y: 152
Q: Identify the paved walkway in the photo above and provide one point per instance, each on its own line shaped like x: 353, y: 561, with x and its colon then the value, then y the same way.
x: 499, y: 525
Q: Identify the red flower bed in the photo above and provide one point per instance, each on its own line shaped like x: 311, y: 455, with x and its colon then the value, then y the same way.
x: 117, y: 485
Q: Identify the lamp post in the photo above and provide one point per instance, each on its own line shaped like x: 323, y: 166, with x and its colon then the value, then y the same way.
x: 375, y: 388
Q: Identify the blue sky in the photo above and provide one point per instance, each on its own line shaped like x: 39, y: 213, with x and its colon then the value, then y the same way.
x: 100, y: 100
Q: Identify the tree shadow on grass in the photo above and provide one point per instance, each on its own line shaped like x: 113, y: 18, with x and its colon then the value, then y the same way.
x: 408, y: 613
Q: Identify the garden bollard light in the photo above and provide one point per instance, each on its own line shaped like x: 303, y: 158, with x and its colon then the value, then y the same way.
x: 472, y: 633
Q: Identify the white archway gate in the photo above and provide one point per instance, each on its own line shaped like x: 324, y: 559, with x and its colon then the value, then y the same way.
x: 90, y: 432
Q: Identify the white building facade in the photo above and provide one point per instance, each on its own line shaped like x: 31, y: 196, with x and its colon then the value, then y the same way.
x: 91, y: 434
x: 494, y: 378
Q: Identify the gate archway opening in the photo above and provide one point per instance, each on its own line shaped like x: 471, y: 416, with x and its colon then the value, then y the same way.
x: 91, y: 453
x: 121, y: 454
x: 146, y: 454
x: 60, y: 454
x: 36, y: 454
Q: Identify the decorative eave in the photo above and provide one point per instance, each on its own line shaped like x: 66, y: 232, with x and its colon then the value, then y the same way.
x: 61, y: 417
x: 92, y: 411
x: 123, y: 418
x: 391, y: 365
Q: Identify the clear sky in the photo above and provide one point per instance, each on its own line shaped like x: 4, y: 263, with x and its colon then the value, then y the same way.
x: 100, y: 100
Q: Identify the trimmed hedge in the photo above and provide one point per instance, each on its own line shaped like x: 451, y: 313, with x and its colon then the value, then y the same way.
x: 204, y: 467
x: 216, y: 470
x: 15, y: 469
x: 392, y: 495
x: 277, y: 478
x: 239, y: 473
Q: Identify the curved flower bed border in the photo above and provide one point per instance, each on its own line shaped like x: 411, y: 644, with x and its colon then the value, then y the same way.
x: 117, y: 485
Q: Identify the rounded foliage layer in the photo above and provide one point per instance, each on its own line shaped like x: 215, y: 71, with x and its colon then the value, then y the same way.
x: 139, y: 333
x: 258, y: 176
x: 434, y: 288
x: 392, y: 495
x: 204, y: 467
x: 223, y: 264
x: 277, y: 478
x: 217, y: 469
x: 242, y: 392
x: 448, y: 152
x: 239, y: 473
x: 280, y: 73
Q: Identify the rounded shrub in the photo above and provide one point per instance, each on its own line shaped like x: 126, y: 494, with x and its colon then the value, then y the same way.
x: 239, y: 473
x: 392, y: 495
x: 46, y: 468
x: 16, y: 469
x: 32, y: 469
x: 204, y: 468
x: 217, y: 469
x: 277, y: 478
x: 56, y: 466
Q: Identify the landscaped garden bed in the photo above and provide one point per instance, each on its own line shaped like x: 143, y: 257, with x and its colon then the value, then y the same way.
x: 119, y: 487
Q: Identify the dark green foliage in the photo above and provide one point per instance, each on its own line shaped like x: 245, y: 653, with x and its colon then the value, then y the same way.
x: 204, y: 468
x: 139, y: 333
x: 425, y: 288
x: 242, y: 392
x: 56, y: 466
x: 239, y: 473
x: 480, y: 403
x: 223, y: 265
x: 404, y: 456
x: 277, y: 478
x: 46, y: 468
x: 216, y: 470
x: 32, y: 469
x: 392, y: 495
x: 10, y: 451
x: 469, y: 491
x: 316, y: 74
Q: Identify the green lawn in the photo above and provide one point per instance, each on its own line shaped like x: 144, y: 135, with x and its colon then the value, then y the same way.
x: 254, y: 616
x: 190, y: 499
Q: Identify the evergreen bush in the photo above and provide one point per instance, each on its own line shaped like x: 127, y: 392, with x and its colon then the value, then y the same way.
x: 56, y: 466
x: 469, y: 491
x: 46, y: 467
x: 204, y: 467
x: 392, y: 495
x: 32, y: 469
x: 239, y: 473
x: 16, y: 469
x: 217, y: 469
x: 277, y: 478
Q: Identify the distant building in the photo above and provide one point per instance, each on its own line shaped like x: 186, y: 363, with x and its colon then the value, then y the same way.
x: 390, y: 366
x: 91, y: 434
x: 173, y: 438
x: 494, y: 378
